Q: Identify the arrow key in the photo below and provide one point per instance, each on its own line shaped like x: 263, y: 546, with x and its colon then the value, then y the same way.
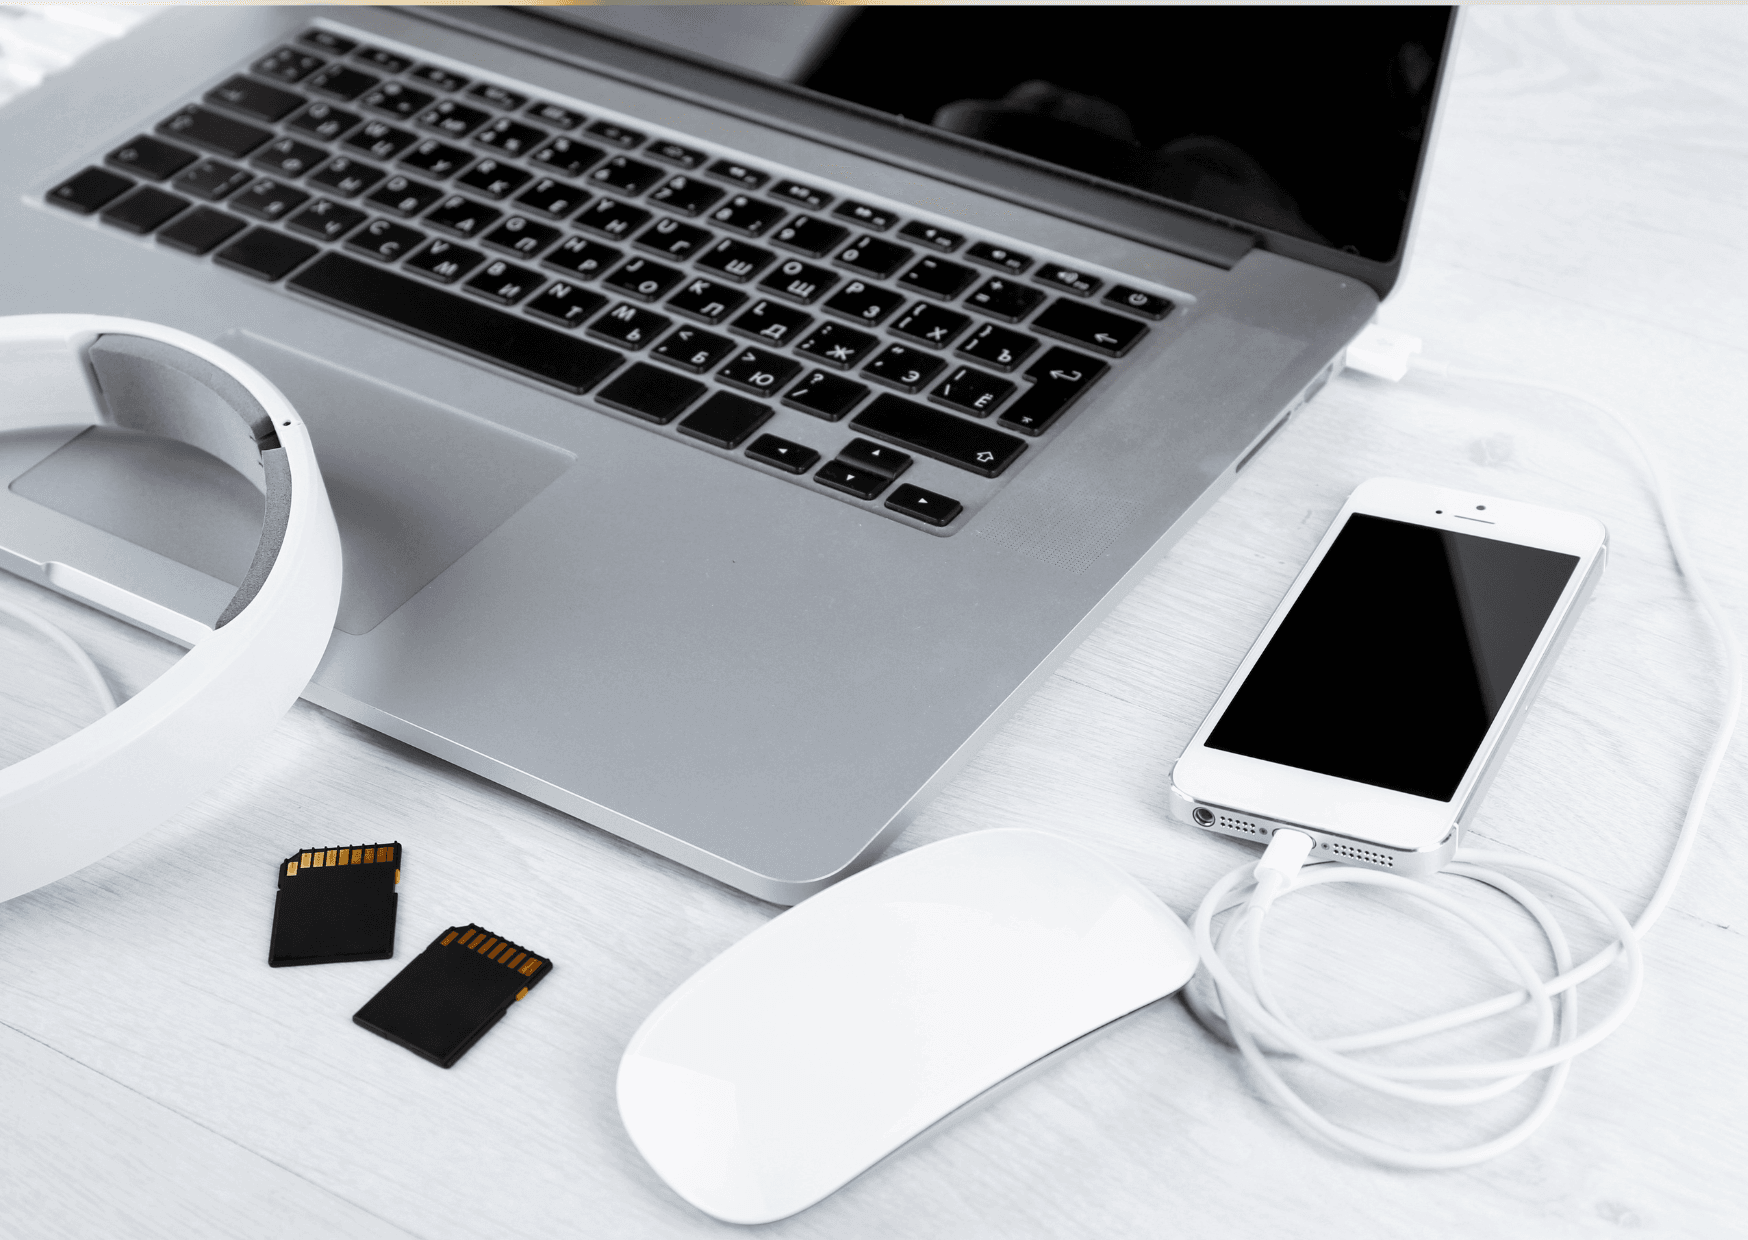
x: 924, y: 505
x: 1110, y: 334
x: 1058, y: 379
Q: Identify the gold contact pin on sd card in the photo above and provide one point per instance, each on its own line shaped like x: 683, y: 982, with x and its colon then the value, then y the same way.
x: 336, y: 904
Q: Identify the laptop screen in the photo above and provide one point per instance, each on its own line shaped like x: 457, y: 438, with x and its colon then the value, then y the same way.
x: 1305, y: 120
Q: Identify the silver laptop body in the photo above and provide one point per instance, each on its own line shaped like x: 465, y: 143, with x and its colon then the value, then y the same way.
x: 753, y: 671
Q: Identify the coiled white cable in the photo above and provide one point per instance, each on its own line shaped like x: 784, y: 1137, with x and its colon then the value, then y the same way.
x: 93, y: 677
x: 1249, y: 1011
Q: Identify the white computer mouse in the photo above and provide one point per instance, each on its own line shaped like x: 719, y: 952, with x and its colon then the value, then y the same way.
x: 851, y: 1023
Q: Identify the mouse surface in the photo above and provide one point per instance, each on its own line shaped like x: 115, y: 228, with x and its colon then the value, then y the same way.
x: 849, y: 1024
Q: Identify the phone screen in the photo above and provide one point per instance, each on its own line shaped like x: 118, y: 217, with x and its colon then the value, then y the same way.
x: 1396, y: 656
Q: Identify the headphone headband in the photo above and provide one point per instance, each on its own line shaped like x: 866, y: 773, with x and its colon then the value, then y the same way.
x: 87, y: 795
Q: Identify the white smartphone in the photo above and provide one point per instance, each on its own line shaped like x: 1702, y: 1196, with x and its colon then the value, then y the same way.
x: 1375, y: 707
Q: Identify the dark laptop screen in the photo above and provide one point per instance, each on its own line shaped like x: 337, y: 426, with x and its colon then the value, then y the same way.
x: 1309, y: 120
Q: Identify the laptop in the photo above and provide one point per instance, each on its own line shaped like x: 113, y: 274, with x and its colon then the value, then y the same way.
x: 730, y: 415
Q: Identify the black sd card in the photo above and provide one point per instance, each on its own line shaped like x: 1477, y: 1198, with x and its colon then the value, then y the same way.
x: 452, y: 992
x: 336, y: 904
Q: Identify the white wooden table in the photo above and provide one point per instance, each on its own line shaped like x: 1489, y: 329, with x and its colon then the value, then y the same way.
x: 1585, y: 221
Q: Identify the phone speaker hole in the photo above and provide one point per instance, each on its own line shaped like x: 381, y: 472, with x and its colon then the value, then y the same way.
x: 1364, y: 856
x: 1242, y: 826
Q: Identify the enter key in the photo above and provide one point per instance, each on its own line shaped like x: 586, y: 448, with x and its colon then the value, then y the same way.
x: 1058, y: 378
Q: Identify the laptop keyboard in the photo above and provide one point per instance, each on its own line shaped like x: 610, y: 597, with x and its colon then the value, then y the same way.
x: 683, y: 286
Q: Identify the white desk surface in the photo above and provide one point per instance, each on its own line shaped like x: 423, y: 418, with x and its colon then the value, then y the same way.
x: 1585, y: 221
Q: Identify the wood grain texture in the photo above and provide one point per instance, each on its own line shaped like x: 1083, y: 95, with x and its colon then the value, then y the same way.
x: 1583, y: 223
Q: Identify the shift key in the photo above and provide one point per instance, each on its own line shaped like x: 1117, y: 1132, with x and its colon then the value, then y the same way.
x: 969, y: 445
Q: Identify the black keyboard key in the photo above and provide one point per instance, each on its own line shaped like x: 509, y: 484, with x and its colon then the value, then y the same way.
x: 932, y: 325
x: 510, y: 137
x: 877, y: 218
x: 143, y: 210
x: 405, y: 196
x: 647, y: 392
x: 865, y: 303
x: 566, y: 157
x: 521, y: 235
x: 452, y: 118
x: 326, y: 220
x: 740, y: 174
x: 327, y: 41
x: 553, y: 199
x: 287, y: 157
x: 674, y: 153
x: 693, y: 349
x: 875, y: 457
x: 444, y: 261
x: 442, y: 79
x: 324, y: 121
x: 875, y: 257
x: 783, y: 454
x: 1069, y: 280
x: 627, y: 176
x: 705, y: 300
x: 825, y: 396
x: 1002, y: 298
x: 253, y: 99
x: 385, y: 240
x: 1110, y: 334
x: 382, y: 58
x: 1058, y: 379
x: 479, y: 330
x: 725, y: 420
x: 629, y: 325
x: 999, y: 257
x: 208, y: 129
x: 852, y: 479
x: 998, y: 347
x: 736, y: 260
x: 505, y: 283
x: 581, y: 258
x: 564, y: 303
x: 398, y: 100
x: 758, y: 372
x: 268, y: 199
x: 1137, y: 302
x: 938, y: 279
x: 437, y: 160
x: 342, y: 82
x: 806, y: 195
x: 644, y: 280
x: 673, y: 239
x: 288, y: 64
x: 463, y: 216
x: 381, y: 141
x: 926, y: 506
x: 971, y: 391
x: 346, y: 177
x: 618, y: 135
x: 799, y: 282
x: 747, y: 216
x: 686, y: 195
x: 199, y: 230
x: 150, y: 158
x: 774, y: 324
x: 969, y: 445
x: 494, y: 178
x: 497, y: 96
x: 837, y: 346
x: 265, y: 254
x: 902, y: 367
x: 212, y: 180
x: 935, y: 238
x: 613, y: 218
x: 552, y: 114
x: 809, y: 236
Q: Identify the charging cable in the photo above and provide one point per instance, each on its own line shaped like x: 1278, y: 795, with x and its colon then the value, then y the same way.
x: 93, y: 677
x: 1249, y: 1012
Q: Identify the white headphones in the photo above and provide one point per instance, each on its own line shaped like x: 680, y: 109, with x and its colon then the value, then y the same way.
x: 83, y: 798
